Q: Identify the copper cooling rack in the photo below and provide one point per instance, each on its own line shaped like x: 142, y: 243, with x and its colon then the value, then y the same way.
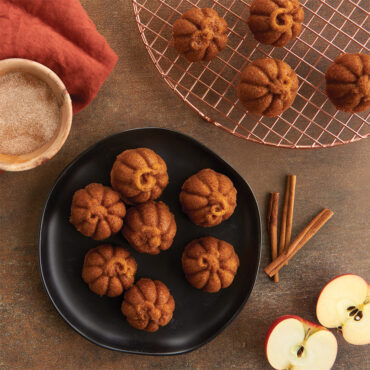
x: 330, y: 28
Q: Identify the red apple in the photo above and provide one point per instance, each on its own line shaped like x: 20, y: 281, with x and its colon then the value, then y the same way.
x: 344, y: 303
x: 294, y: 343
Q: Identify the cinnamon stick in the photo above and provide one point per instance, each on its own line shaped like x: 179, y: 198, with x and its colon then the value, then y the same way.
x: 284, y: 217
x: 272, y: 226
x: 306, y: 234
x: 289, y: 216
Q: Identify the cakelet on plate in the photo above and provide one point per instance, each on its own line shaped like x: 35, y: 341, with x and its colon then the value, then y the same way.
x: 109, y: 270
x: 209, y: 264
x: 208, y: 198
x: 97, y: 211
x: 148, y: 305
x: 139, y: 175
x: 150, y: 227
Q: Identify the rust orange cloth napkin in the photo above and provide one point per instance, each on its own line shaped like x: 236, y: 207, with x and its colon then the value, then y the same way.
x: 60, y: 35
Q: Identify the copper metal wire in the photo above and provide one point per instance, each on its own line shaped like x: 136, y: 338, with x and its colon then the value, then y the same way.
x: 330, y: 28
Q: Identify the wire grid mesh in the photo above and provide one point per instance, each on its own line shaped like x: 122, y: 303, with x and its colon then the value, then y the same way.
x: 330, y: 28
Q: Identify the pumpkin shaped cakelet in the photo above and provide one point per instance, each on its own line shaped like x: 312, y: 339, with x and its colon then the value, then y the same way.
x: 267, y: 87
x: 275, y: 22
x: 139, y: 175
x: 200, y: 34
x: 109, y: 270
x: 209, y: 264
x: 208, y: 198
x: 348, y: 82
x: 148, y: 305
x: 150, y: 227
x: 97, y: 211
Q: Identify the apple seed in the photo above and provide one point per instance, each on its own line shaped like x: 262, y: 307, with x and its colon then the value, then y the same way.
x: 300, y: 351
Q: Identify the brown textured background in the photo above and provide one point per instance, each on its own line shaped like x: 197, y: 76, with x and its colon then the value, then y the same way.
x: 32, y: 335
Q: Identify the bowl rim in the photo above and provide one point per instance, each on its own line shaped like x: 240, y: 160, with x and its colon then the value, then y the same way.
x: 59, y: 139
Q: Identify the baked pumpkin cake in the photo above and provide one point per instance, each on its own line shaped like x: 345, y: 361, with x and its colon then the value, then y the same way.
x: 150, y: 227
x: 209, y: 264
x: 148, y: 305
x: 97, y: 211
x: 109, y: 270
x: 275, y: 22
x: 208, y: 198
x: 200, y: 34
x: 348, y: 82
x: 267, y: 87
x: 139, y: 175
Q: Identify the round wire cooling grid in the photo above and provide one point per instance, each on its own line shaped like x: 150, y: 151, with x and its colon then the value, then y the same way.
x: 330, y: 28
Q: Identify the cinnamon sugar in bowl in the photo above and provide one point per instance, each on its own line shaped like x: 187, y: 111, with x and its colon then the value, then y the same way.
x: 35, y: 114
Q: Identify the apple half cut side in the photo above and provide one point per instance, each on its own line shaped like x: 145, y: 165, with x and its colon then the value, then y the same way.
x: 344, y: 303
x: 294, y: 343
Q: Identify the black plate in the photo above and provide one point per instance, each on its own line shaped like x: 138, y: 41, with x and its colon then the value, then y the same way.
x: 198, y: 316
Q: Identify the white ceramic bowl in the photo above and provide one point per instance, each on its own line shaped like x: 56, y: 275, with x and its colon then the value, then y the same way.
x: 50, y: 148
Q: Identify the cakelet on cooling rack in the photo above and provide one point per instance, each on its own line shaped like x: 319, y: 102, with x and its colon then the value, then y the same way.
x: 208, y: 198
x: 139, y: 175
x: 97, y: 211
x: 109, y: 270
x: 148, y: 305
x: 200, y: 34
x: 267, y: 87
x: 348, y: 82
x: 150, y: 227
x: 275, y: 22
x: 209, y: 264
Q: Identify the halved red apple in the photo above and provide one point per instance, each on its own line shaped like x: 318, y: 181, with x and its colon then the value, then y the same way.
x: 294, y: 343
x: 344, y: 303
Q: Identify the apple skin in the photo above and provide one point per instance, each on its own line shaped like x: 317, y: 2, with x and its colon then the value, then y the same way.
x: 350, y: 337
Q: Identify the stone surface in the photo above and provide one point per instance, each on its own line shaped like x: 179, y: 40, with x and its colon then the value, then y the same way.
x: 33, y: 335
